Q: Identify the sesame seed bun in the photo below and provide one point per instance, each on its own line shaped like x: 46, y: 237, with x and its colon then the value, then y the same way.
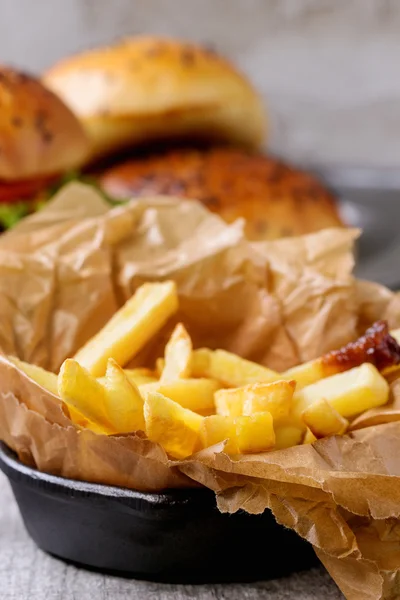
x: 39, y: 135
x: 147, y: 88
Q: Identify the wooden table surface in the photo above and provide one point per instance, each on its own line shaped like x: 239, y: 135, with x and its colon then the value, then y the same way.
x: 26, y: 573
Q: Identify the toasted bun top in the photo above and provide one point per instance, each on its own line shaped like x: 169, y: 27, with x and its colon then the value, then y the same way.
x: 39, y: 135
x: 275, y: 199
x: 144, y: 78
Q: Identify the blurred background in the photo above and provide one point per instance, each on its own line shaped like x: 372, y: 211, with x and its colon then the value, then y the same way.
x: 328, y: 69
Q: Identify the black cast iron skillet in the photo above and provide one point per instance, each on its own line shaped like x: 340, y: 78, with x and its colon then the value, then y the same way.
x: 173, y: 536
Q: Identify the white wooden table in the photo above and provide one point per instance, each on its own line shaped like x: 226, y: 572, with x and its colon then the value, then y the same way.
x: 26, y: 573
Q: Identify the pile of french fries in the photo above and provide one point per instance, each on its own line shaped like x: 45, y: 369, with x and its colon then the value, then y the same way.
x: 192, y: 399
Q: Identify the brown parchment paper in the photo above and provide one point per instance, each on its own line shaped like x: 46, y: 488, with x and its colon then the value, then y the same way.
x: 64, y: 272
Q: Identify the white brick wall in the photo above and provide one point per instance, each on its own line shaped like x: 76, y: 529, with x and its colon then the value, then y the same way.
x: 329, y: 69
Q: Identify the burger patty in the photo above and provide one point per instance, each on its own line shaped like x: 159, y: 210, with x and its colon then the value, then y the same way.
x: 275, y: 199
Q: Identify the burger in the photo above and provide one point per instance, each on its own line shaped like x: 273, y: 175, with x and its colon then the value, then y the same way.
x: 274, y: 199
x: 40, y: 141
x: 170, y: 117
x: 148, y: 89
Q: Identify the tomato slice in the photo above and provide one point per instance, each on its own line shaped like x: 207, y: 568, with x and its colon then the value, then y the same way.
x: 19, y: 190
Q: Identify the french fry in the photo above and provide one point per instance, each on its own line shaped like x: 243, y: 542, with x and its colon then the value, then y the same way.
x: 195, y: 394
x: 178, y: 355
x: 130, y: 328
x: 275, y: 398
x: 229, y: 369
x: 255, y: 433
x: 307, y: 373
x: 201, y: 362
x: 309, y: 438
x: 78, y: 418
x: 175, y: 428
x: 229, y: 402
x: 44, y: 378
x: 246, y: 434
x: 79, y: 390
x: 49, y: 381
x: 108, y: 407
x: 350, y: 393
x: 140, y: 376
x: 289, y: 431
x: 123, y: 402
x: 323, y: 420
x: 218, y: 428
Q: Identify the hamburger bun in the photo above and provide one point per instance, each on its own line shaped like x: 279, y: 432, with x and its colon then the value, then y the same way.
x: 147, y: 88
x: 39, y: 135
x: 275, y: 199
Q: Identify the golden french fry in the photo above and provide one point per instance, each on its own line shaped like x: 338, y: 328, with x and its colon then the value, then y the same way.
x: 79, y: 390
x: 140, y: 376
x: 44, y: 378
x: 130, y: 328
x: 309, y: 438
x: 137, y: 376
x: 178, y: 355
x: 229, y: 369
x: 350, y: 393
x: 275, y: 398
x: 123, y: 402
x: 78, y: 418
x: 150, y: 388
x: 175, y: 428
x: 246, y: 434
x: 255, y: 433
x: 323, y: 420
x: 218, y: 428
x: 289, y: 431
x: 201, y: 362
x: 195, y: 394
x: 307, y: 373
x: 229, y: 402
